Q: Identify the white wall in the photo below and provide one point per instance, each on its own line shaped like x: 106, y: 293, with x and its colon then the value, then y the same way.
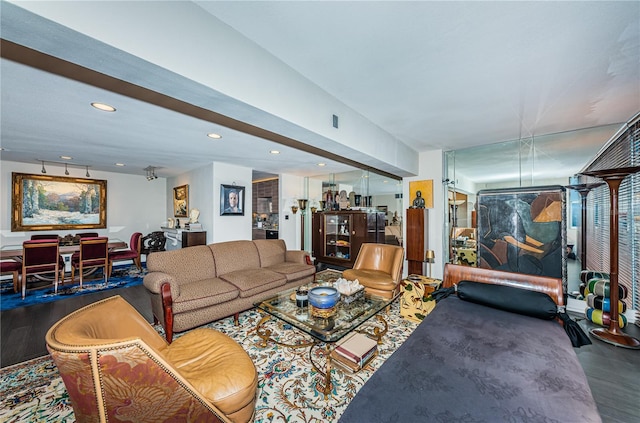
x: 229, y: 228
x: 431, y: 167
x: 133, y: 203
x: 201, y: 196
x: 290, y: 227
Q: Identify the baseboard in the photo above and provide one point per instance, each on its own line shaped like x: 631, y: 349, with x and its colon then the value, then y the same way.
x: 579, y: 306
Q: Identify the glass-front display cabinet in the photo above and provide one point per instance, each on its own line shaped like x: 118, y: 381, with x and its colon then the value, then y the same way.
x: 337, y: 236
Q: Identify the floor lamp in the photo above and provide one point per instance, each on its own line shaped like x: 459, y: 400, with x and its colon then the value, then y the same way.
x: 612, y: 334
x: 302, y: 203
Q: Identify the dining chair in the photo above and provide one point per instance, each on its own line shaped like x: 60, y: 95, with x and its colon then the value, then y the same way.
x: 13, y: 267
x: 44, y: 236
x: 133, y: 253
x: 93, y: 254
x: 41, y: 256
x: 87, y: 235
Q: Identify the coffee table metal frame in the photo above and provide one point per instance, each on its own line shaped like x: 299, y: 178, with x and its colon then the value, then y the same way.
x: 348, y: 318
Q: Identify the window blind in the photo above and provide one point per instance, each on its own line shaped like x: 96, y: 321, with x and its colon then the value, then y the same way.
x: 623, y: 150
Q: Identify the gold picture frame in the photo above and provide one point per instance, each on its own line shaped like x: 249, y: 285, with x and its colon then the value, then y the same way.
x: 181, y: 201
x: 44, y: 203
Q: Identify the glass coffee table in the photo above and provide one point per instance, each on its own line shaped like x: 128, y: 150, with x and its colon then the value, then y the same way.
x: 347, y: 318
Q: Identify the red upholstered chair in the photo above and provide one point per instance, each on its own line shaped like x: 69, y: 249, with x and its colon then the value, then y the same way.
x: 133, y: 253
x: 41, y: 256
x: 13, y: 267
x: 93, y: 254
x: 44, y: 236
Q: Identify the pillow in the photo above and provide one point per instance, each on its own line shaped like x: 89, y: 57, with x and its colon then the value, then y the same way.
x: 507, y: 298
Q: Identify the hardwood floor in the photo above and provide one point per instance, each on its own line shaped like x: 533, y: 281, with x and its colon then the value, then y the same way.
x: 613, y: 373
x: 23, y: 329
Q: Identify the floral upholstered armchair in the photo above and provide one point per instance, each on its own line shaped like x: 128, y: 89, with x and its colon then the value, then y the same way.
x: 116, y: 367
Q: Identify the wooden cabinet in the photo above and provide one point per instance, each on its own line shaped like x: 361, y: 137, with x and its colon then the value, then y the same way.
x: 189, y: 239
x: 338, y: 235
x: 417, y: 240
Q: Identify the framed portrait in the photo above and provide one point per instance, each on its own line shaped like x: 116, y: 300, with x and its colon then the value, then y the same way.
x: 181, y: 201
x: 231, y: 200
x: 44, y: 203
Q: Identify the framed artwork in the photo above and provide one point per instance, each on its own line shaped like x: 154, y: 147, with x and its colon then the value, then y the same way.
x: 44, y: 203
x: 231, y: 200
x: 426, y: 192
x: 181, y: 201
x: 384, y: 209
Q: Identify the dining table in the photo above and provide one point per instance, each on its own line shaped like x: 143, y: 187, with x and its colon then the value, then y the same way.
x: 14, y: 252
x: 8, y: 252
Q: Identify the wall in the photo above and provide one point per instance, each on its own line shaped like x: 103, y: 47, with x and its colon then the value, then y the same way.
x: 201, y: 196
x: 133, y: 203
x: 229, y: 228
x: 431, y: 167
x: 290, y: 226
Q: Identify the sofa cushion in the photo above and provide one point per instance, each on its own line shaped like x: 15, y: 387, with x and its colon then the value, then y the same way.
x: 186, y: 265
x: 232, y: 256
x: 203, y: 293
x: 218, y: 368
x: 254, y: 281
x: 293, y: 271
x: 271, y: 251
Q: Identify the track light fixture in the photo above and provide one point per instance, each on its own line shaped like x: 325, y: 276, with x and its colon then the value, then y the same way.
x: 66, y: 166
x: 151, y: 173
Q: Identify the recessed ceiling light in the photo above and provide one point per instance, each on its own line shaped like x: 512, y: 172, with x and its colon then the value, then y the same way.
x: 104, y: 107
x: 66, y: 157
x: 322, y: 164
x: 214, y: 135
x: 119, y: 164
x: 274, y: 152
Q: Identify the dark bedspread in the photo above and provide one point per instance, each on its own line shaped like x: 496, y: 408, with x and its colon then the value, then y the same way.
x: 470, y: 363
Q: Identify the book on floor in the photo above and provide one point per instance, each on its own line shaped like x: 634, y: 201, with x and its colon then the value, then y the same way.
x: 348, y: 365
x: 356, y: 347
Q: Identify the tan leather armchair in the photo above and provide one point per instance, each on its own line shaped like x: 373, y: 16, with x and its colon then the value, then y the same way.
x: 378, y: 268
x: 116, y: 367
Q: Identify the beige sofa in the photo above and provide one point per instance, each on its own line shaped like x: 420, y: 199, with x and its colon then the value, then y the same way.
x: 197, y: 285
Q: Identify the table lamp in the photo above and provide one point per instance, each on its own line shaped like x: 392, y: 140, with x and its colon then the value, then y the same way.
x: 430, y: 258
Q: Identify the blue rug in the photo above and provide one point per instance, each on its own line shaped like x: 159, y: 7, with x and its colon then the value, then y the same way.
x: 121, y: 277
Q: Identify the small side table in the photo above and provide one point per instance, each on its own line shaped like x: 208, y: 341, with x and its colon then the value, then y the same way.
x: 415, y: 290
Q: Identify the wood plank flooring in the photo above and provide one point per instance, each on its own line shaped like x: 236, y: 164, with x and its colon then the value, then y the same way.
x: 613, y: 373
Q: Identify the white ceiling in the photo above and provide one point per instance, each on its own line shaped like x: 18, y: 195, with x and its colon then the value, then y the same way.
x: 434, y: 75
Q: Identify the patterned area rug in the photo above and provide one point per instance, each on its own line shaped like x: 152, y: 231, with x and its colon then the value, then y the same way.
x: 289, y: 389
x: 121, y: 277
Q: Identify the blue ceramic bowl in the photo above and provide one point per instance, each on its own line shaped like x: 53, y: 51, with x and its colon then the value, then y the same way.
x: 323, y: 296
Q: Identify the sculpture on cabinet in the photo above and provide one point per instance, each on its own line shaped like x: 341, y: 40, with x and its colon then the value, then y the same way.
x: 418, y: 202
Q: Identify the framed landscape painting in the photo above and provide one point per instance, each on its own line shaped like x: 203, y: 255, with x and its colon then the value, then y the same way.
x: 44, y: 203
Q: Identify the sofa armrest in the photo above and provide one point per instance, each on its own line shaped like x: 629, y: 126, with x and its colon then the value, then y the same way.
x: 297, y: 256
x: 153, y: 282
